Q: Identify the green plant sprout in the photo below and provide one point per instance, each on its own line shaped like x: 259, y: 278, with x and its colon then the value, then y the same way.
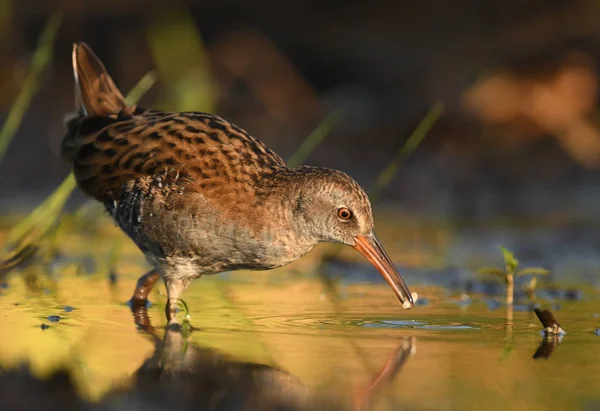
x: 510, y: 271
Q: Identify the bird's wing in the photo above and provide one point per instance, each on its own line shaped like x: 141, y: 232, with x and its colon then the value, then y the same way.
x: 207, y: 153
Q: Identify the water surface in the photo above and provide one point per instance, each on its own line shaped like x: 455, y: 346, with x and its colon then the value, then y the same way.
x: 301, y: 336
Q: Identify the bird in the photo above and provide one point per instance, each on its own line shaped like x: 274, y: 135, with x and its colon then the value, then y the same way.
x: 199, y: 195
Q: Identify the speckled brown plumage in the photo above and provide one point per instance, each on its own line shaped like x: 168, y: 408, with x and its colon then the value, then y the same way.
x: 199, y: 195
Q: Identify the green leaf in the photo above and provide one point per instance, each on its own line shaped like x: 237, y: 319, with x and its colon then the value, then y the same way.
x: 510, y: 261
x: 492, y: 271
x: 533, y: 271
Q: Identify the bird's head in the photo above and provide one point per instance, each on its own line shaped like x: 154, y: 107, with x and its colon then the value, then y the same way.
x: 331, y: 207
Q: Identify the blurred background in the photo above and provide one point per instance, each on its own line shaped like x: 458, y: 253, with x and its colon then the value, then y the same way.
x: 519, y: 136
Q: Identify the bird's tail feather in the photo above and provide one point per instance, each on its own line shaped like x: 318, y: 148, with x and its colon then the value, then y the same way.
x: 95, y: 95
x: 95, y: 91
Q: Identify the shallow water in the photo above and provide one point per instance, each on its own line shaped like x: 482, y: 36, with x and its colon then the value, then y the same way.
x: 331, y: 340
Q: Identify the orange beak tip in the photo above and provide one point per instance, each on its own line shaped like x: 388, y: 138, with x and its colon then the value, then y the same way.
x: 371, y: 248
x: 407, y: 305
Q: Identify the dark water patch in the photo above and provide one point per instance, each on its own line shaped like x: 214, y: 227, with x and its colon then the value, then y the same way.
x: 113, y: 277
x: 524, y: 307
x: 422, y: 301
x: 485, y: 286
x: 68, y: 308
x: 452, y: 279
x: 351, y: 272
x: 572, y: 294
x: 551, y: 293
x: 54, y: 318
x: 463, y: 302
x: 492, y: 304
x: 44, y: 326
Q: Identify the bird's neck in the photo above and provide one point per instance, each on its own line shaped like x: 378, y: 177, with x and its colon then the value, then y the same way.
x: 282, y: 195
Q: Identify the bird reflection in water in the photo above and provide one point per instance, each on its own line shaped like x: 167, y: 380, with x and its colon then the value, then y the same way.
x: 181, y: 375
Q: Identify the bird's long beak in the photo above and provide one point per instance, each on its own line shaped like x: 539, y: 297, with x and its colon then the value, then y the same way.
x: 370, y: 247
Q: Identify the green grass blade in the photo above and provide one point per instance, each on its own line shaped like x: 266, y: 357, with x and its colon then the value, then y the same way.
x: 411, y: 144
x: 44, y: 215
x: 314, y: 139
x: 141, y: 88
x: 492, y: 271
x: 41, y: 58
x: 39, y: 222
x: 533, y: 271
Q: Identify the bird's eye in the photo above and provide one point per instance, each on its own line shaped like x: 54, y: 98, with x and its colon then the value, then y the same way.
x: 344, y: 213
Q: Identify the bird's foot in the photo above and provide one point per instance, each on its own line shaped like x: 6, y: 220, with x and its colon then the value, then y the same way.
x: 177, y: 306
x: 185, y: 327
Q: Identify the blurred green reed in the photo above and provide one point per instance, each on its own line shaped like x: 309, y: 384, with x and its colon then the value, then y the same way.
x: 40, y: 60
x: 141, y: 88
x: 43, y: 217
x: 39, y: 223
x: 384, y: 178
x: 414, y: 140
x: 181, y: 61
x: 312, y: 141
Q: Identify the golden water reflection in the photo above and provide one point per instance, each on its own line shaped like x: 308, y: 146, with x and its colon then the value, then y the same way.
x: 287, y: 326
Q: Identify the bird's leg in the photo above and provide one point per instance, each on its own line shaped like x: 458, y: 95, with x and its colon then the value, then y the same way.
x: 144, y: 285
x: 139, y: 299
x: 175, y: 287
